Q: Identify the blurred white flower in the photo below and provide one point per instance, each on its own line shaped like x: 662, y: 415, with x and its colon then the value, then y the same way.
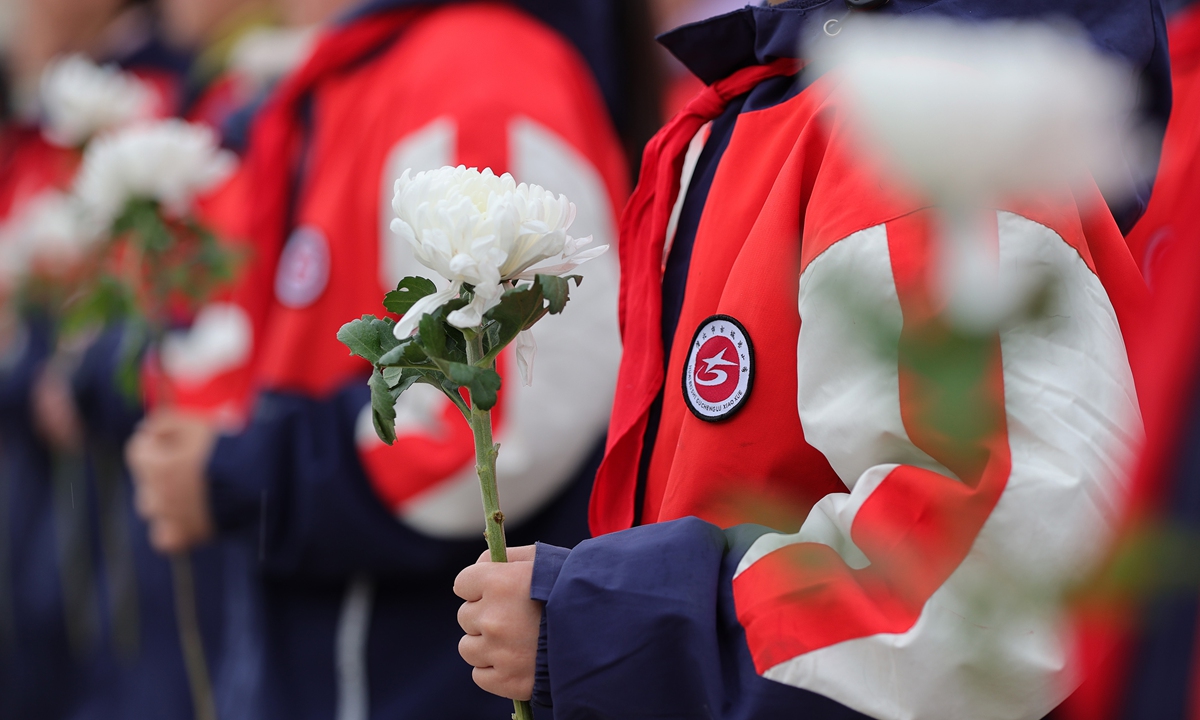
x: 48, y: 234
x: 80, y: 99
x: 53, y: 230
x: 170, y: 161
x: 975, y: 113
x: 475, y: 228
x: 263, y: 56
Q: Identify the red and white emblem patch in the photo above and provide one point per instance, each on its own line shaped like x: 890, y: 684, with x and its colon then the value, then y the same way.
x: 719, y: 370
x: 303, y: 270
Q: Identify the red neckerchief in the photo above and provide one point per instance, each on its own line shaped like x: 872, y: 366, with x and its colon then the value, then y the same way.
x: 643, y: 234
x: 276, y: 138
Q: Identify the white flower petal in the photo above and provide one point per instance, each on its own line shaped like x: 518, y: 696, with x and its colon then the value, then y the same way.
x: 408, y: 324
x: 525, y: 348
x: 565, y: 267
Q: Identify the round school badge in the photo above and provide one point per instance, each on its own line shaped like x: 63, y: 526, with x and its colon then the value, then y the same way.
x: 720, y: 369
x: 303, y: 269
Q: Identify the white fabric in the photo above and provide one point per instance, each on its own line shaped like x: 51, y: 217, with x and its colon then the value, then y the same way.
x: 219, y: 340
x: 690, y: 160
x: 429, y: 148
x: 549, y: 427
x: 991, y: 642
x: 353, y: 630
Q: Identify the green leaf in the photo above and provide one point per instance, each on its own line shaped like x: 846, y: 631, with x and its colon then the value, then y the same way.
x: 440, y: 340
x: 383, y: 407
x: 432, y: 332
x: 557, y: 290
x: 406, y: 354
x: 482, y: 383
x: 368, y: 337
x: 407, y: 293
x: 519, y: 308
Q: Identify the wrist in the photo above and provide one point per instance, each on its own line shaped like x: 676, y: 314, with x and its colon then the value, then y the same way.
x: 547, y: 564
x: 236, y: 492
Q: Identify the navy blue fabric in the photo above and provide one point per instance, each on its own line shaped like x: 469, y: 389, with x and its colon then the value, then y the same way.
x: 1134, y: 32
x: 548, y: 562
x: 42, y: 677
x: 635, y: 630
x: 592, y: 26
x: 550, y: 559
x: 1163, y: 665
x: 293, y: 483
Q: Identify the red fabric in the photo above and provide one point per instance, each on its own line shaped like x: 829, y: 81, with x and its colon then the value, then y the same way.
x: 29, y: 164
x: 1173, y: 208
x: 917, y: 526
x: 643, y: 234
x: 1165, y: 353
x: 252, y: 209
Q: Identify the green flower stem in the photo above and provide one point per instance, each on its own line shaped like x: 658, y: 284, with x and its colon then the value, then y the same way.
x: 485, y: 467
x: 190, y: 640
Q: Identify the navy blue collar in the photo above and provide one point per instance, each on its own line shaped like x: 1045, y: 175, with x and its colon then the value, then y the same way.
x: 716, y: 48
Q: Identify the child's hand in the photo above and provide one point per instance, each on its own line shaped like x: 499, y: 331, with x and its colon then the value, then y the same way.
x: 501, y: 623
x: 167, y: 458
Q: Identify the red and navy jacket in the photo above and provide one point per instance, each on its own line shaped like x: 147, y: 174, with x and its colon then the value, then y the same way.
x: 359, y: 542
x: 792, y: 520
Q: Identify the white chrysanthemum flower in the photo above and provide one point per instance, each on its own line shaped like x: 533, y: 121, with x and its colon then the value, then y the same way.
x: 51, y: 232
x: 170, y: 161
x: 80, y: 99
x: 984, y: 110
x: 475, y: 228
x: 975, y: 113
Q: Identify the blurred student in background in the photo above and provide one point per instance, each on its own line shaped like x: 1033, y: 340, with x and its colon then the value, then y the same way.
x: 78, y: 608
x: 358, y: 541
x: 117, y: 603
